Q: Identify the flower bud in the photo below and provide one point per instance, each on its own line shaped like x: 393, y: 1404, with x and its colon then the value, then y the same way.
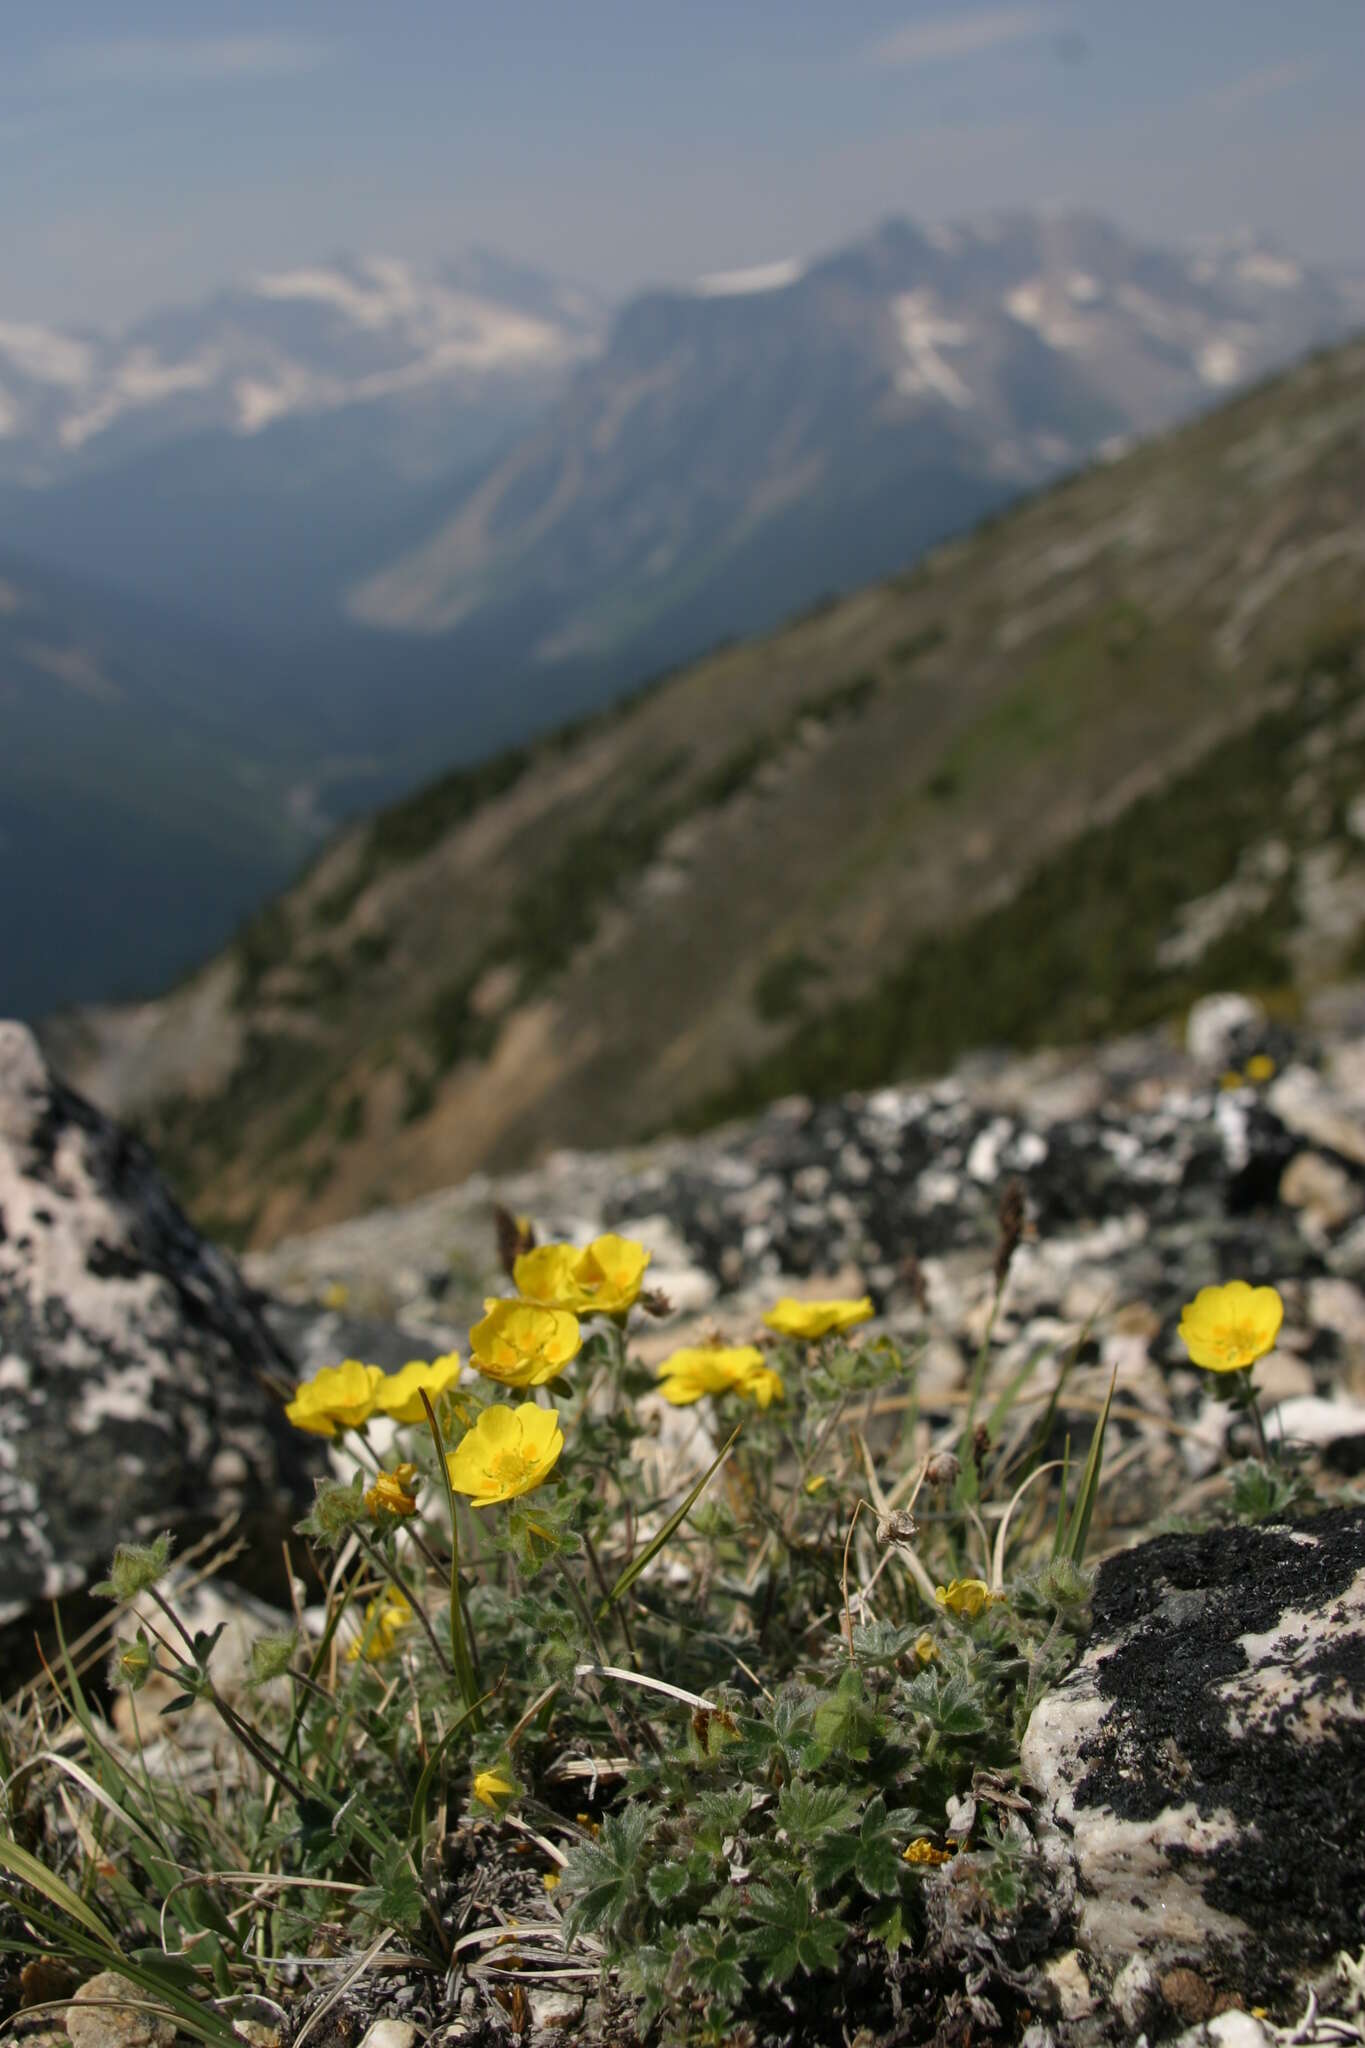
x: 136, y: 1568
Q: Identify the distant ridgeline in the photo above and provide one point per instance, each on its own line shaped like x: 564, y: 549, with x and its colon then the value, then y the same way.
x: 1056, y: 782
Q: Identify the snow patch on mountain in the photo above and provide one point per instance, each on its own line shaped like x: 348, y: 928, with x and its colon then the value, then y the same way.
x: 761, y: 277
x: 923, y: 331
x: 45, y: 356
x: 142, y: 379
x: 1258, y: 266
x: 310, y: 339
x: 1033, y: 306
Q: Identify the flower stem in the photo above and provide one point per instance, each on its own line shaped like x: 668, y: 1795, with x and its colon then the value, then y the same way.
x: 1250, y: 1402
x: 459, y: 1641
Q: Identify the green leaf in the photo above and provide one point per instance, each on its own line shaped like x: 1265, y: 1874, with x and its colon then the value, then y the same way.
x: 878, y: 1864
x: 809, y: 1812
x: 718, y: 1814
x: 890, y: 1928
x: 204, y: 1643
x: 174, y: 1971
x: 790, y: 1936
x: 843, y: 1724
x: 948, y: 1704
x: 879, y: 1642
x: 832, y: 1859
x: 601, y: 1877
x: 666, y: 1882
x: 715, y: 1965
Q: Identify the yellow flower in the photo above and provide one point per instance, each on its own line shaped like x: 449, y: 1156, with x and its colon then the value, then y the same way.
x: 550, y: 1880
x: 337, y: 1295
x: 385, y: 1619
x: 1260, y: 1068
x: 718, y: 1369
x: 812, y: 1319
x: 507, y: 1452
x: 337, y: 1397
x: 603, y: 1280
x: 391, y: 1493
x: 964, y: 1596
x: 817, y: 1482
x: 522, y: 1345
x: 1231, y: 1078
x: 923, y: 1851
x: 399, y: 1394
x: 1227, y: 1328
x: 926, y: 1649
x: 494, y: 1788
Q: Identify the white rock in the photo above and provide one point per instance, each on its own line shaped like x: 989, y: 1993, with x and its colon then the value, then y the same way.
x: 98, y: 2019
x: 1312, y: 1420
x: 389, y: 2034
x: 1214, y: 1025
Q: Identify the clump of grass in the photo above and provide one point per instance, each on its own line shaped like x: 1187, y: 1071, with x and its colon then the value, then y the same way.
x: 709, y: 1722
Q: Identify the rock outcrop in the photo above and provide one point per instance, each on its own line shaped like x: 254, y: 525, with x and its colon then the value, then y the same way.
x: 1201, y: 1776
x: 139, y: 1387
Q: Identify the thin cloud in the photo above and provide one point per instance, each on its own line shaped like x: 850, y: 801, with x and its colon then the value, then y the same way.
x: 1260, y: 85
x: 943, y: 37
x: 169, y: 62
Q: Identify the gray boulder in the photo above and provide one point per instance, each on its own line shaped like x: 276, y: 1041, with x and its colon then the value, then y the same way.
x: 140, y: 1389
x: 1201, y: 1775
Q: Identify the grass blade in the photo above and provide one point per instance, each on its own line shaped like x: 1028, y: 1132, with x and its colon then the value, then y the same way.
x: 1079, y: 1528
x: 674, y: 1522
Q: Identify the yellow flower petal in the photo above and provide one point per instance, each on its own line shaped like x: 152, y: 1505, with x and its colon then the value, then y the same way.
x: 1227, y: 1328
x: 522, y: 1345
x: 813, y: 1319
x: 494, y: 1788
x: 385, y: 1619
x: 507, y: 1452
x: 391, y: 1493
x: 337, y: 1397
x: 718, y: 1369
x: 604, y: 1279
x: 923, y: 1851
x: 1260, y: 1068
x: 964, y: 1596
x: 400, y: 1393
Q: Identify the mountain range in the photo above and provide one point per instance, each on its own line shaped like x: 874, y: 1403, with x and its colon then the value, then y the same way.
x: 1055, y: 780
x: 360, y: 520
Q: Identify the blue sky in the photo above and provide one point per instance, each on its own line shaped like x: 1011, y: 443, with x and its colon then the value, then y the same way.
x: 149, y: 152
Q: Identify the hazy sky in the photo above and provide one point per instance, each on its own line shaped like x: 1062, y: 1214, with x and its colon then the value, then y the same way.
x: 149, y: 150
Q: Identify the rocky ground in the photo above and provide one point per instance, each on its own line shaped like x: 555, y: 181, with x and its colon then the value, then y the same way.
x: 1147, y: 1176
x: 1192, y: 1790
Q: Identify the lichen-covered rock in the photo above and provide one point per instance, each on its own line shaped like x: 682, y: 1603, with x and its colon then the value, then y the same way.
x: 1201, y: 1772
x: 139, y: 1387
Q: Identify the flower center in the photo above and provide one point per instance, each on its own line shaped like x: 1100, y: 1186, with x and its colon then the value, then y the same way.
x: 509, y: 1468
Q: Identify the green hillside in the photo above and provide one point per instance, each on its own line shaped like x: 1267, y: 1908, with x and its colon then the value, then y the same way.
x: 1064, y: 776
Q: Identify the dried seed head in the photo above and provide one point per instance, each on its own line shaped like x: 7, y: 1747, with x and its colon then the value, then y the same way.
x: 942, y: 1469
x: 897, y: 1527
x: 981, y: 1443
x: 515, y: 1236
x: 655, y: 1302
x: 913, y: 1280
x: 1012, y: 1218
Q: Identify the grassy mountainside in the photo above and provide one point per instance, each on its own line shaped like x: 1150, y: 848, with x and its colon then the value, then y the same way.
x: 1062, y: 777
